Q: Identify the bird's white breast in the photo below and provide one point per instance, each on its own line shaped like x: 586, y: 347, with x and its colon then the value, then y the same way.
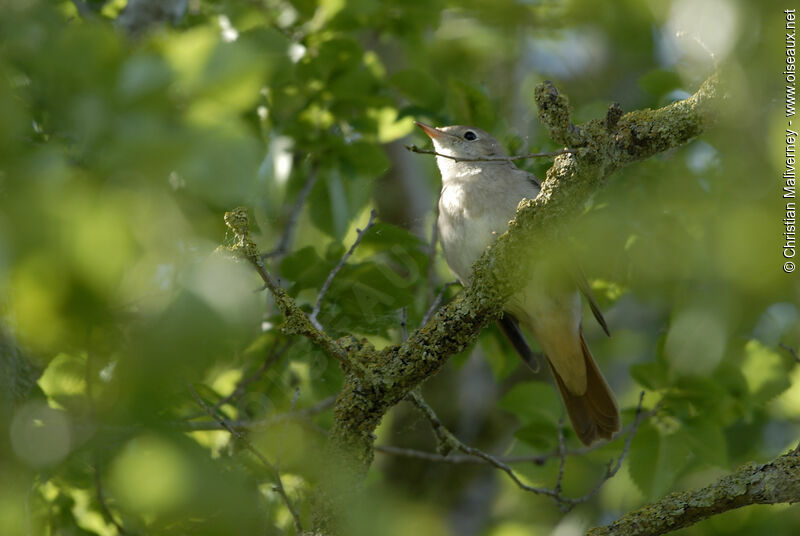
x: 467, y: 223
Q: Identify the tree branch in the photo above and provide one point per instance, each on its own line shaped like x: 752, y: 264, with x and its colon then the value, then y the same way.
x: 415, y: 149
x: 448, y: 442
x: 377, y: 380
x: 297, y: 322
x: 538, y: 459
x: 607, y: 144
x: 771, y: 483
x: 336, y: 269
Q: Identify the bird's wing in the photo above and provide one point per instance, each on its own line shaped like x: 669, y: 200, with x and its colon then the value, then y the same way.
x: 509, y: 325
x: 586, y: 290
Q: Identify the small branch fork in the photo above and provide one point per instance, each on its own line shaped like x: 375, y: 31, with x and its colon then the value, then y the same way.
x: 415, y: 149
x: 447, y: 442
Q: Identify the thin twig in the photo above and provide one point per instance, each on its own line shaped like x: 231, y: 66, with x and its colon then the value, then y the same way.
x: 791, y: 350
x: 287, y: 237
x: 404, y: 323
x: 260, y: 424
x: 274, y: 356
x: 436, y: 303
x: 538, y: 459
x: 612, y: 470
x: 448, y: 442
x: 562, y: 456
x: 276, y: 352
x: 361, y: 232
x: 415, y: 149
x: 238, y: 221
x: 104, y: 509
x: 298, y: 526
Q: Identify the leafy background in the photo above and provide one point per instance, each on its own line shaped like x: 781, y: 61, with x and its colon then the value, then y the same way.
x: 119, y: 154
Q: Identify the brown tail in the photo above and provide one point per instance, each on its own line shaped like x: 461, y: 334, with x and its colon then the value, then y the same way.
x: 594, y: 414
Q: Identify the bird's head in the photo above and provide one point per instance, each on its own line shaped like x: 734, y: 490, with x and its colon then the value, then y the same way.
x: 463, y: 142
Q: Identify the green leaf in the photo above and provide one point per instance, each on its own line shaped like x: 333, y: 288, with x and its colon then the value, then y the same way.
x: 331, y: 58
x: 305, y: 268
x: 653, y: 375
x: 363, y: 158
x: 336, y: 199
x: 382, y: 236
x: 65, y: 375
x: 729, y: 376
x: 660, y: 81
x: 692, y: 395
x: 707, y: 441
x: 501, y: 357
x: 530, y: 401
x: 766, y: 372
x: 420, y: 87
x: 541, y: 433
x: 366, y: 298
x: 656, y: 459
x: 469, y: 105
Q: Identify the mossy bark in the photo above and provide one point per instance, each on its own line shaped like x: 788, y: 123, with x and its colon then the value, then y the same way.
x: 775, y: 482
x: 377, y: 380
x: 606, y: 145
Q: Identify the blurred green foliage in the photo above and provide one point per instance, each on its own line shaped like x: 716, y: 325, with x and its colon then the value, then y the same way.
x: 119, y: 154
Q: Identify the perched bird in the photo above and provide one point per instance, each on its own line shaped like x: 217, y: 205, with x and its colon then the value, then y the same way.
x: 481, y: 189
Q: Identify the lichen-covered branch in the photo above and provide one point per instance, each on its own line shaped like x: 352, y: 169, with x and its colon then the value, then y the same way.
x: 606, y: 145
x: 377, y: 380
x: 297, y: 322
x: 771, y: 483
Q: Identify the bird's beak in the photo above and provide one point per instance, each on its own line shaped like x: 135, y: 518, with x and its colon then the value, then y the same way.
x: 433, y: 133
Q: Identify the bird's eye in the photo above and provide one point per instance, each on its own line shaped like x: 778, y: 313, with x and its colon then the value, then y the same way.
x: 470, y: 136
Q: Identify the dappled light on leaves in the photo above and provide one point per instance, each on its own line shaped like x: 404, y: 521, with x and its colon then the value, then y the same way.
x: 150, y: 476
x: 166, y: 369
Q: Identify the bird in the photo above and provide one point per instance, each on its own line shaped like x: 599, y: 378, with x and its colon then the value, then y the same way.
x: 481, y: 189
